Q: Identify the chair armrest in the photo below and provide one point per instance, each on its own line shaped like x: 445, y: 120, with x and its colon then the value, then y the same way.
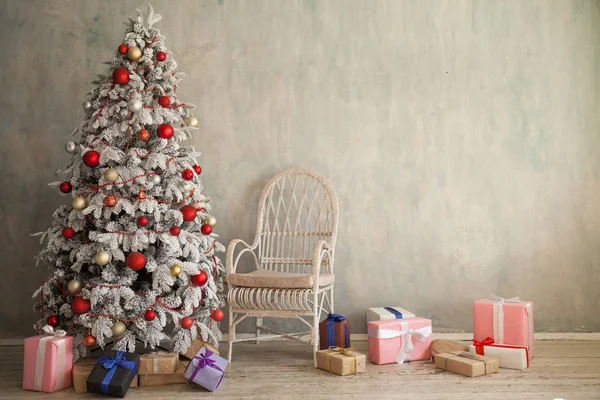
x: 230, y: 262
x: 320, y: 250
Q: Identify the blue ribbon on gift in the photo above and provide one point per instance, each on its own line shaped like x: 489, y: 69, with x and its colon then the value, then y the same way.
x: 397, y: 313
x: 204, y: 361
x: 331, y: 320
x: 112, y: 364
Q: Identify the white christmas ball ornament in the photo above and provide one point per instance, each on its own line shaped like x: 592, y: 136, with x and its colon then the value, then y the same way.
x: 111, y: 175
x: 156, y: 179
x: 87, y: 105
x: 192, y: 121
x: 185, y: 186
x: 135, y: 105
x: 102, y: 258
x: 70, y: 147
x: 210, y: 220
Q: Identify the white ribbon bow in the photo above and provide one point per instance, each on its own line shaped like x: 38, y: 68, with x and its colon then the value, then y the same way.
x: 50, y: 331
x: 498, y: 320
x: 41, y: 358
x: 407, y: 347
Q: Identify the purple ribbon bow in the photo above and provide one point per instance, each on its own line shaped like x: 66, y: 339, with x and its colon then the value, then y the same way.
x: 204, y: 361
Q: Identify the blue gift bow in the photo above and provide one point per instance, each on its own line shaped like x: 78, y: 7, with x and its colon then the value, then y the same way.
x: 204, y: 361
x: 397, y: 313
x: 331, y: 320
x: 112, y: 364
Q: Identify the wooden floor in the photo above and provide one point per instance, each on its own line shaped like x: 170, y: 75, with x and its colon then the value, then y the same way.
x: 283, y: 370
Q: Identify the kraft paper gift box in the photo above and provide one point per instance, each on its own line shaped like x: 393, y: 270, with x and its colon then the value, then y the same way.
x: 157, y: 380
x: 467, y: 364
x: 158, y: 363
x: 195, y: 347
x: 511, y: 357
x: 341, y: 361
x: 334, y: 331
x: 388, y: 313
x: 113, y: 373
x: 81, y: 371
x: 48, y: 361
x: 507, y: 321
x: 399, y: 340
x: 206, y: 369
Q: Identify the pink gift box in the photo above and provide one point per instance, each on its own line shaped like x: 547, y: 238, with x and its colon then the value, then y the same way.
x: 48, y: 365
x: 507, y: 321
x: 399, y: 340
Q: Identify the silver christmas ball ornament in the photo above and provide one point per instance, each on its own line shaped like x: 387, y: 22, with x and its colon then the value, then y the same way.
x: 111, y: 175
x: 185, y: 186
x: 102, y: 258
x: 192, y: 121
x: 156, y: 179
x: 70, y: 147
x: 135, y: 105
x: 74, y: 286
x: 210, y: 220
x: 118, y: 328
x: 87, y: 105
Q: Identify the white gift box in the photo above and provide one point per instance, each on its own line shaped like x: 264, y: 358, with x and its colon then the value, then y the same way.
x: 388, y: 313
x: 511, y: 357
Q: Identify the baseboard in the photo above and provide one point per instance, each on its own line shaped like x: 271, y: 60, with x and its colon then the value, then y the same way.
x: 436, y: 335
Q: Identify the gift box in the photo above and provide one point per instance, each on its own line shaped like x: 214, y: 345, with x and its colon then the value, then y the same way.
x: 48, y: 361
x: 341, y: 361
x: 467, y: 364
x: 511, y: 357
x: 113, y: 373
x: 195, y: 347
x: 81, y: 371
x: 156, y: 380
x: 507, y: 321
x: 334, y: 331
x: 388, y: 313
x: 399, y: 340
x: 206, y: 369
x: 158, y: 363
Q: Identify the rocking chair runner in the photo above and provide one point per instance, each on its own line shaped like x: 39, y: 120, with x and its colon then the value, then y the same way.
x: 293, y: 253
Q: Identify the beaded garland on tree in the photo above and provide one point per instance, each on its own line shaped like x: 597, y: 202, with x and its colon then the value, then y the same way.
x: 128, y: 253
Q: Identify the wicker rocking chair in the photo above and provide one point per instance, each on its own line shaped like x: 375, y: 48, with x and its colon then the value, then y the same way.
x: 293, y: 253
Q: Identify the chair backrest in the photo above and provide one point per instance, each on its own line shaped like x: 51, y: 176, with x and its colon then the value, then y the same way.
x: 297, y: 208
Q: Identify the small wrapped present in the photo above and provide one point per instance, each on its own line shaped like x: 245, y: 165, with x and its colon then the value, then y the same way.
x: 507, y: 321
x: 48, y: 361
x: 195, y: 347
x: 341, y: 361
x: 511, y: 357
x: 81, y: 371
x: 206, y: 369
x: 388, y: 313
x: 158, y: 363
x: 334, y: 331
x: 467, y: 364
x: 399, y: 340
x: 157, y: 380
x: 113, y: 373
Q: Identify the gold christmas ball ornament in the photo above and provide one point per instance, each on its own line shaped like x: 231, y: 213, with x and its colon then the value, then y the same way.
x: 102, y: 258
x: 134, y: 53
x: 175, y: 270
x: 192, y: 121
x: 111, y: 175
x: 74, y: 286
x: 118, y: 328
x: 210, y: 220
x: 78, y: 203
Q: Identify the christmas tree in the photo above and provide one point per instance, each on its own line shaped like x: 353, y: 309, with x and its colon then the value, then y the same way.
x: 132, y: 254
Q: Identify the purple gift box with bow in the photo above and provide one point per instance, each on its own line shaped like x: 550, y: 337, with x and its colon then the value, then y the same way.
x: 206, y: 369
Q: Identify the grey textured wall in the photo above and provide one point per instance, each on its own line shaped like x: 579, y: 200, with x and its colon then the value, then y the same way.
x: 462, y: 137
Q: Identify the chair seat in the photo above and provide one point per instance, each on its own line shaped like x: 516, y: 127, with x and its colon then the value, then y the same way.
x: 278, y: 280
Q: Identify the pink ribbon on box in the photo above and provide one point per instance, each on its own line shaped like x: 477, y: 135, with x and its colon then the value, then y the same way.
x: 407, y: 334
x: 499, y: 317
x: 41, y: 357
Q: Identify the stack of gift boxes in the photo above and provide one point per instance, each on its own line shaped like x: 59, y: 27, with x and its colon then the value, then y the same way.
x: 502, y: 338
x: 49, y: 367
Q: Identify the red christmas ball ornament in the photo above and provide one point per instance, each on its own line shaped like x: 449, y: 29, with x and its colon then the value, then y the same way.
x: 120, y: 76
x: 65, y: 187
x: 206, y: 229
x: 149, y: 315
x: 123, y: 49
x: 53, y: 321
x: 200, y: 279
x: 175, y: 230
x: 187, y: 174
x: 197, y: 169
x: 186, y: 322
x: 136, y: 260
x: 188, y: 212
x: 68, y: 232
x: 91, y: 159
x: 79, y: 305
x: 161, y: 56
x: 217, y: 315
x: 88, y: 341
x: 142, y: 221
x: 165, y: 131
x: 164, y: 101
